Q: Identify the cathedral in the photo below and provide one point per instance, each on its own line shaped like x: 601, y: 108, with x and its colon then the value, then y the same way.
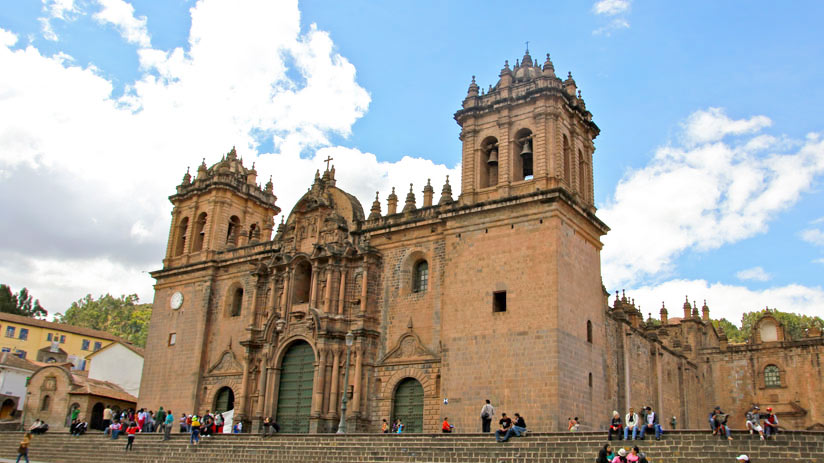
x: 425, y: 310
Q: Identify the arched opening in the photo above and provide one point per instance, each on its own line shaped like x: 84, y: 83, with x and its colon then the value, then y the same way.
x: 567, y: 162
x: 522, y: 160
x: 232, y: 231
x: 407, y: 405
x: 254, y: 233
x: 489, y: 162
x: 237, y: 302
x: 420, y: 279
x: 45, y: 403
x: 224, y: 400
x: 769, y: 331
x: 200, y: 232
x: 589, y: 331
x: 772, y: 376
x: 7, y: 409
x: 297, y: 370
x: 581, y: 175
x: 182, y: 228
x: 590, y: 380
x: 96, y: 421
x: 302, y: 282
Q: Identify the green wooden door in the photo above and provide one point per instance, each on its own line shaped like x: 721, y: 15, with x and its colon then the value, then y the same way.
x: 409, y: 405
x: 295, y: 391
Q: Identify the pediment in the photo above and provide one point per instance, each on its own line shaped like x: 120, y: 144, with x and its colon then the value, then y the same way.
x: 409, y: 349
x: 227, y: 364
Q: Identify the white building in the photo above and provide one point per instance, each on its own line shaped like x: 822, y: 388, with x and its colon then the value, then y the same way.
x: 118, y: 363
x: 14, y: 372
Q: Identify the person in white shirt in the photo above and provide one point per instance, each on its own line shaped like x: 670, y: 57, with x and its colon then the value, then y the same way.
x: 631, y: 422
x: 487, y: 412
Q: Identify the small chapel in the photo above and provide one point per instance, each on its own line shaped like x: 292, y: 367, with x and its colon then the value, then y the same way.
x: 338, y: 318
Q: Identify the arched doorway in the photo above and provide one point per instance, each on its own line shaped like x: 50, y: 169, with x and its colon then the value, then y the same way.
x: 97, y: 416
x: 297, y: 373
x: 224, y: 400
x: 408, y: 405
x: 7, y: 409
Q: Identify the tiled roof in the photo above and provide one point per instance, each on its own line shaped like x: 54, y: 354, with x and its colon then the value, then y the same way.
x: 84, y: 385
x: 11, y: 360
x: 19, y: 319
x: 137, y: 350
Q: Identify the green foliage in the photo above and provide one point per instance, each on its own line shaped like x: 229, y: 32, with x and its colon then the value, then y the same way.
x: 121, y: 316
x: 20, y: 303
x: 795, y: 324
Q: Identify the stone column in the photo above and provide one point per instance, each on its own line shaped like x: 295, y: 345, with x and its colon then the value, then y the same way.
x: 261, y: 389
x: 365, y: 282
x: 317, y: 393
x: 342, y: 293
x: 313, y: 292
x: 284, y: 302
x: 335, y: 379
x: 356, y: 395
x: 327, y: 296
x: 241, y: 400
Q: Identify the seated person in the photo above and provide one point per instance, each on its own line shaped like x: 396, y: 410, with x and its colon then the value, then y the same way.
x: 631, y: 423
x: 720, y: 421
x: 446, y: 427
x: 754, y: 421
x: 38, y: 427
x: 517, y: 429
x: 506, y: 423
x: 615, y: 426
x: 770, y: 423
x: 651, y: 424
x: 116, y: 428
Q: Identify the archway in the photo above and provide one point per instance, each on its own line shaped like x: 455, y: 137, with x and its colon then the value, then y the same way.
x: 408, y: 405
x: 7, y: 409
x: 97, y: 416
x: 224, y: 400
x: 297, y: 373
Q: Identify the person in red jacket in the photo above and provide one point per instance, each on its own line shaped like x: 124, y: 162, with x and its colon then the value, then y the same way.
x: 446, y: 427
x: 130, y: 433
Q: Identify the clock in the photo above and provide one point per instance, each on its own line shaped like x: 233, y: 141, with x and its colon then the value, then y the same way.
x: 176, y: 300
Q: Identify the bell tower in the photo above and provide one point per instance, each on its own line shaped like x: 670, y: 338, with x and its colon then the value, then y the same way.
x: 223, y: 207
x: 529, y: 132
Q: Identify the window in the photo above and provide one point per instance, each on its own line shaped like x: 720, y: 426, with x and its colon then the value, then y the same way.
x: 772, y: 376
x: 200, y: 232
x: 62, y: 339
x: 45, y: 404
x: 567, y: 173
x: 421, y: 279
x: 21, y: 354
x: 49, y: 337
x: 85, y: 344
x: 232, y: 230
x: 499, y: 301
x: 24, y: 333
x: 172, y: 339
x: 302, y: 281
x: 589, y: 331
x: 181, y: 236
x: 9, y: 331
x: 97, y: 346
x: 237, y: 302
x: 590, y: 380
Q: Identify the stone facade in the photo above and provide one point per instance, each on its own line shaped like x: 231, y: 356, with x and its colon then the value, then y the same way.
x: 494, y: 295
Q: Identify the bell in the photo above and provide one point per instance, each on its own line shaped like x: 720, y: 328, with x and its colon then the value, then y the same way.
x: 527, y: 150
x: 493, y: 156
x: 526, y: 157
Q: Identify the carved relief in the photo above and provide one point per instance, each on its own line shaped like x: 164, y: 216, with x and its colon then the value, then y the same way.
x: 226, y: 365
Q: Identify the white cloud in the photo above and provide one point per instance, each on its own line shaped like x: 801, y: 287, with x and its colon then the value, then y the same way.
x: 703, y: 195
x: 121, y: 15
x: 754, y: 273
x: 819, y: 261
x: 727, y: 301
x: 614, y: 25
x: 56, y: 9
x: 611, y: 7
x: 248, y: 75
x: 813, y: 236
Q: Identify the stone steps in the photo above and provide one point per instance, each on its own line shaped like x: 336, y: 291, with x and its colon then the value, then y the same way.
x: 676, y: 447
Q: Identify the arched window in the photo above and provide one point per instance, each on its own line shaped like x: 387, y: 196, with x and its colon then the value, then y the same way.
x: 224, y: 400
x: 232, y: 230
x: 489, y: 162
x: 522, y: 159
x: 589, y: 331
x: 237, y: 302
x: 567, y: 173
x: 254, y: 233
x: 421, y: 277
x: 302, y: 282
x: 772, y: 376
x: 181, y: 236
x: 200, y: 232
x: 44, y: 406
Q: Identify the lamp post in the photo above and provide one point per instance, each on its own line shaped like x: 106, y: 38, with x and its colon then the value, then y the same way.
x: 350, y: 339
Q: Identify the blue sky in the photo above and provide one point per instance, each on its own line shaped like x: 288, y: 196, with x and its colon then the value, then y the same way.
x: 717, y: 98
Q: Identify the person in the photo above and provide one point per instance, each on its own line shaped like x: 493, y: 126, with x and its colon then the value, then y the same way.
x: 160, y: 420
x: 632, y: 456
x: 517, y: 429
x: 603, y: 454
x: 615, y: 426
x: 572, y: 425
x: 753, y: 422
x: 141, y: 418
x: 38, y: 427
x: 195, y: 437
x: 78, y: 427
x: 621, y: 457
x: 206, y: 424
x: 168, y: 422
x: 505, y: 422
x: 237, y: 428
x: 713, y: 424
x: 107, y: 416
x: 771, y: 423
x: 116, y: 428
x: 76, y: 413
x: 631, y: 422
x: 23, y: 450
x: 385, y: 427
x: 719, y: 420
x: 400, y: 427
x: 642, y: 457
x: 743, y: 458
x: 219, y: 422
x: 445, y: 426
x: 131, y: 431
x: 487, y: 412
x: 651, y: 424
x: 184, y: 427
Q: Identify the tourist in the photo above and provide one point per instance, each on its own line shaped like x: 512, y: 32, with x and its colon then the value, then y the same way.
x: 206, y: 424
x: 168, y: 423
x: 631, y: 422
x: 195, y: 427
x: 267, y: 423
x: 107, y: 416
x: 720, y: 423
x: 712, y: 419
x: 23, y: 450
x: 237, y: 428
x: 184, y: 420
x: 505, y: 423
x: 743, y: 458
x: 75, y: 413
x: 753, y: 422
x: 399, y: 429
x: 160, y: 420
x: 633, y: 456
x: 771, y: 423
x: 615, y: 425
x: 78, y: 427
x: 445, y: 426
x: 621, y: 457
x: 131, y: 431
x: 219, y: 422
x: 487, y: 412
x: 385, y: 427
x: 651, y: 424
x: 572, y: 424
x: 38, y: 427
x: 517, y: 429
x: 116, y: 428
x: 604, y: 454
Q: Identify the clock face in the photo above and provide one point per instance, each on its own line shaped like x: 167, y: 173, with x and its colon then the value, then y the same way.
x: 176, y: 301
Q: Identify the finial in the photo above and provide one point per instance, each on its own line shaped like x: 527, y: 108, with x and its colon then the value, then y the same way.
x: 376, y: 195
x: 527, y: 47
x: 506, y: 64
x: 393, y: 190
x: 187, y: 169
x: 517, y: 63
x: 569, y: 75
x: 579, y: 94
x: 410, y: 188
x: 447, y: 180
x: 662, y: 305
x: 473, y: 79
x: 429, y: 183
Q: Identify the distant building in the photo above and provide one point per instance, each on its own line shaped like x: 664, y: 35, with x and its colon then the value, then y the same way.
x: 50, y: 342
x: 119, y: 363
x: 14, y: 372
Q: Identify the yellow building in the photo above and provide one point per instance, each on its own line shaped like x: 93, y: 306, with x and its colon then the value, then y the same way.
x: 51, y: 342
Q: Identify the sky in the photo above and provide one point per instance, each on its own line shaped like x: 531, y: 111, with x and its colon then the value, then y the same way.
x: 709, y: 168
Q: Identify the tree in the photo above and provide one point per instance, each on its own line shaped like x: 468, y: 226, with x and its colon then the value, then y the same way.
x: 20, y: 303
x: 121, y: 316
x: 795, y: 325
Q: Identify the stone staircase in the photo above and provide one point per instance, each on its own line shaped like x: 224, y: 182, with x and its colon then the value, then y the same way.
x: 676, y: 447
